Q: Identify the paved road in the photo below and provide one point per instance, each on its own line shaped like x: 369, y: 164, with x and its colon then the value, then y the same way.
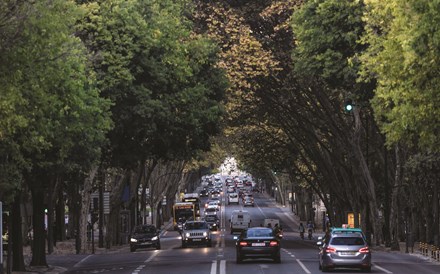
x: 298, y: 256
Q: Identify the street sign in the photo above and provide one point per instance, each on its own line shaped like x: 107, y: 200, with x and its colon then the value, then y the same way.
x: 95, y: 197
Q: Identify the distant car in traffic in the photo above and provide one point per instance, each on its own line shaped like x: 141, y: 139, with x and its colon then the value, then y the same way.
x: 248, y: 201
x: 144, y: 236
x: 213, y: 222
x: 344, y: 250
x: 257, y: 242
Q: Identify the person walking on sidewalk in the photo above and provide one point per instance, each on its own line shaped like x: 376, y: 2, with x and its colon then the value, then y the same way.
x: 301, y: 229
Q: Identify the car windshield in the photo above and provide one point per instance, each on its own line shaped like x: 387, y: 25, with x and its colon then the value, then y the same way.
x: 145, y: 229
x: 347, y: 241
x: 211, y: 219
x: 194, y: 226
x: 259, y: 233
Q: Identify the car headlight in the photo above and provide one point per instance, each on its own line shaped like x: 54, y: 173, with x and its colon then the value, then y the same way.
x: 154, y: 238
x: 187, y: 235
x: 205, y: 234
x: 133, y: 240
x: 214, y: 224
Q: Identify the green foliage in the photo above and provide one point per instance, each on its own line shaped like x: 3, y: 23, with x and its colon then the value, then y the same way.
x: 52, y: 93
x: 404, y: 57
x: 162, y: 79
x: 326, y: 33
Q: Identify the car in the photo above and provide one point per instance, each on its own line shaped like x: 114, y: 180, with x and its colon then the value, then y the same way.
x: 344, y: 250
x: 144, y: 236
x: 213, y: 222
x: 257, y: 242
x: 233, y: 198
x: 217, y: 200
x: 203, y: 193
x: 196, y: 232
x: 211, y: 210
x: 248, y: 201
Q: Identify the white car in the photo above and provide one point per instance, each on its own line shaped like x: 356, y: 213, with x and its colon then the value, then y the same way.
x: 233, y: 198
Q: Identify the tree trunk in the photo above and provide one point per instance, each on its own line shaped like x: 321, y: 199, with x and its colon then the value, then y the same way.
x: 394, y: 219
x: 85, y: 204
x: 16, y: 236
x: 39, y: 243
x: 367, y: 178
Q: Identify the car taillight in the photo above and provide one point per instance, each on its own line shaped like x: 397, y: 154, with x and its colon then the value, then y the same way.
x: 364, y: 250
x: 273, y: 243
x: 330, y: 250
x: 243, y: 243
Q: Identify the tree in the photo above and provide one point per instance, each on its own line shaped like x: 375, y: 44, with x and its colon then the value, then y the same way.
x: 403, y: 57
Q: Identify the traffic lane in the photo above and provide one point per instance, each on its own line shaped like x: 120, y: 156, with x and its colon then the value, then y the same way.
x: 124, y: 261
x: 396, y: 262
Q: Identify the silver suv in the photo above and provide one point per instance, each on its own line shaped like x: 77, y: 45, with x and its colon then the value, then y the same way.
x: 196, y: 232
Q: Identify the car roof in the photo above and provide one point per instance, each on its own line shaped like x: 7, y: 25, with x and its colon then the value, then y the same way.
x: 347, y: 235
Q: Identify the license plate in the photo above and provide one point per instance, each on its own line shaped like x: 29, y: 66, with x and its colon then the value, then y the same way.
x: 197, y: 240
x: 258, y: 244
x: 348, y: 253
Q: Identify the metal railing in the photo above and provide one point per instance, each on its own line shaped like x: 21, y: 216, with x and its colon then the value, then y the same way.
x: 430, y: 250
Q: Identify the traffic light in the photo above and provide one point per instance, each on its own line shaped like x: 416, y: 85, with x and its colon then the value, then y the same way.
x: 348, y: 105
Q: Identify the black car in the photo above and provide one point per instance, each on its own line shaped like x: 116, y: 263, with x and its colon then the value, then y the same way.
x: 213, y: 222
x: 144, y: 236
x: 204, y: 193
x: 258, y: 242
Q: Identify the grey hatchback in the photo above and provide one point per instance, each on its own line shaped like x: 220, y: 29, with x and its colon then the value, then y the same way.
x: 344, y: 251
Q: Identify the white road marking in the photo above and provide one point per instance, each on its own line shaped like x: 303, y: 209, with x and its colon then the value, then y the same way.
x: 222, y: 267
x: 303, y: 267
x: 83, y: 260
x: 383, y: 269
x: 214, y: 267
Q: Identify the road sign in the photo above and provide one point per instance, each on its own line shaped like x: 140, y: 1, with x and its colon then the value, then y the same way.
x: 95, y: 197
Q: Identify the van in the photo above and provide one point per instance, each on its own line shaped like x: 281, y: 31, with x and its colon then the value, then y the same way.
x: 240, y: 220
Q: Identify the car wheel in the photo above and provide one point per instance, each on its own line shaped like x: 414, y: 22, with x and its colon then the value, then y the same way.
x: 157, y: 246
x: 132, y: 248
x: 209, y: 243
x: 183, y: 245
x: 277, y: 259
x: 367, y: 269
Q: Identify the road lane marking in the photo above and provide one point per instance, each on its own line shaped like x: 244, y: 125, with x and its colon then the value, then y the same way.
x: 383, y: 269
x: 222, y: 267
x: 214, y: 267
x: 155, y: 253
x: 303, y: 266
x: 83, y: 260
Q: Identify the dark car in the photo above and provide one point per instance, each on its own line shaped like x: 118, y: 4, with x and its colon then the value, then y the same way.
x: 196, y: 232
x: 144, y: 236
x: 258, y: 242
x: 203, y: 193
x: 213, y: 222
x: 345, y: 250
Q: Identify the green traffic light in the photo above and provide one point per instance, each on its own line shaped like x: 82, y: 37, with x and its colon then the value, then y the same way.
x: 348, y: 105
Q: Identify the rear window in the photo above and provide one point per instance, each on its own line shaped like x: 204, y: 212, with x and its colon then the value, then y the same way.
x: 260, y: 233
x: 347, y: 241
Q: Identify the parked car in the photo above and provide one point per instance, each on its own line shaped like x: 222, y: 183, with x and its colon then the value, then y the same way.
x: 347, y: 250
x: 257, y: 242
x: 144, y: 236
x: 213, y: 222
x: 196, y: 232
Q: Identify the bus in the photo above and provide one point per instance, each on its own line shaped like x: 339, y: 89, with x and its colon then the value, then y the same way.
x: 193, y: 198
x: 183, y: 211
